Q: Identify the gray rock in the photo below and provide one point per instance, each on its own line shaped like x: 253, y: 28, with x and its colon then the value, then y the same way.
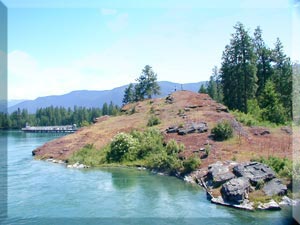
x: 200, y: 127
x: 287, y: 201
x: 288, y: 130
x: 184, y: 131
x: 235, y: 190
x: 245, y: 205
x: 272, y: 205
x: 275, y: 187
x: 254, y: 171
x: 218, y: 174
x: 172, y: 129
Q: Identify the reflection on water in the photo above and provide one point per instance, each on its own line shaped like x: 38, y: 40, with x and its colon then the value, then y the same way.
x: 45, y: 193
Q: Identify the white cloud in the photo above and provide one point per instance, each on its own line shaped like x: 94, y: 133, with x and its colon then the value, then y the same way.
x: 108, y: 12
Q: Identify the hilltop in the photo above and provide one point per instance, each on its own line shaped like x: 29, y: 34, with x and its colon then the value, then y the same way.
x: 93, y: 98
x: 180, y: 109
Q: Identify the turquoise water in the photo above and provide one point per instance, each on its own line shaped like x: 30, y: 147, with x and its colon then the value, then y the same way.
x: 46, y: 193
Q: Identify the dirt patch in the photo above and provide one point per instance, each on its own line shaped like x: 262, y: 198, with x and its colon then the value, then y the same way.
x: 185, y: 108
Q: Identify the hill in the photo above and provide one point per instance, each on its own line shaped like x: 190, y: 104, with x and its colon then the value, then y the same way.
x: 87, y: 98
x: 183, y: 109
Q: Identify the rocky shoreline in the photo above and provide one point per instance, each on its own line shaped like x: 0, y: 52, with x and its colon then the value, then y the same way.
x: 232, y: 184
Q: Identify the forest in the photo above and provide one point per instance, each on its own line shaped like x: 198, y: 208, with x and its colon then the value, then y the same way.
x: 50, y: 116
x: 253, y: 78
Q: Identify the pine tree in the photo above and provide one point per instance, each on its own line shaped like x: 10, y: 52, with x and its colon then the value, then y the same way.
x: 282, y: 77
x: 238, y: 70
x: 263, y: 60
x: 272, y: 109
x: 105, y: 109
x: 146, y: 87
x: 202, y: 89
x: 147, y: 84
x: 214, y: 88
x: 128, y: 94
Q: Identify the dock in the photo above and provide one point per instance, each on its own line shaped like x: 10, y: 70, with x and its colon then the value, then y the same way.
x: 50, y: 129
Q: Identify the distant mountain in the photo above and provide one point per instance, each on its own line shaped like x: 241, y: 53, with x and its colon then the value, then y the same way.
x: 87, y: 98
x: 13, y: 102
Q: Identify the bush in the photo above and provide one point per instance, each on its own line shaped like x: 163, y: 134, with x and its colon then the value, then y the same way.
x: 173, y: 148
x: 89, y: 156
x: 191, y: 164
x: 153, y: 120
x: 246, y: 119
x: 164, y: 162
x: 150, y: 142
x: 282, y: 166
x: 123, y: 147
x: 222, y: 131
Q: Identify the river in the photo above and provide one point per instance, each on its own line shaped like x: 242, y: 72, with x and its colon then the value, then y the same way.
x: 40, y: 192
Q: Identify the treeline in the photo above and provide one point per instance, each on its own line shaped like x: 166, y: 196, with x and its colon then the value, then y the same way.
x: 254, y: 78
x: 50, y: 116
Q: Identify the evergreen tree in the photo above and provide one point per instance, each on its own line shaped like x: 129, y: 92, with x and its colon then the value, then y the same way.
x: 214, y: 88
x: 147, y: 84
x: 129, y: 94
x: 296, y: 93
x: 202, y: 89
x: 282, y: 77
x: 238, y: 71
x: 263, y: 61
x: 105, y: 109
x: 272, y: 109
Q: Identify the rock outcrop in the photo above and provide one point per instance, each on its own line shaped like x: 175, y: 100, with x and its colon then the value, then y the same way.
x: 188, y: 129
x: 254, y: 171
x: 236, y: 190
x: 218, y: 174
x: 238, y: 181
x: 275, y: 187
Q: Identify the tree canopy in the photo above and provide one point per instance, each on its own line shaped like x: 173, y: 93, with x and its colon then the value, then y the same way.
x: 146, y: 87
x: 247, y: 66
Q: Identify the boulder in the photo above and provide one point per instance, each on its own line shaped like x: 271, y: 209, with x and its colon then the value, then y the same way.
x: 221, y: 108
x: 287, y: 201
x: 275, y: 187
x: 184, y: 131
x: 172, y: 129
x: 272, y: 205
x: 235, y: 190
x: 200, y: 127
x: 218, y: 174
x: 254, y: 171
x: 195, y: 127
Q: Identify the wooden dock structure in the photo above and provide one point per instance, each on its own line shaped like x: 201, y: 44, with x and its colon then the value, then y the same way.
x: 51, y: 129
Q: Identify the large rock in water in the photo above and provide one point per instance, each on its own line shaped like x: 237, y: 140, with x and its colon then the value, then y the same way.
x: 254, y: 171
x: 236, y: 190
x: 218, y: 174
x: 275, y: 187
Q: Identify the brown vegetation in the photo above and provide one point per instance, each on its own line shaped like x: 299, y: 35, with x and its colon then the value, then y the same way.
x: 180, y: 109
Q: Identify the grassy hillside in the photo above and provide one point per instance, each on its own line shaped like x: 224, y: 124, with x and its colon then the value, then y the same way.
x: 181, y: 109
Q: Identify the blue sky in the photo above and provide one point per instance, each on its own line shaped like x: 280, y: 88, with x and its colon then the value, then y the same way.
x: 55, y: 47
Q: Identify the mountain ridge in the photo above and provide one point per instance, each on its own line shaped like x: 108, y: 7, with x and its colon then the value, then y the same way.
x: 95, y: 98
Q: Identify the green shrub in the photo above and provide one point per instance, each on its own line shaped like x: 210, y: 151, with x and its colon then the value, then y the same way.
x: 164, y: 162
x: 246, y: 119
x: 282, y: 166
x: 191, y: 164
x: 89, y: 156
x: 207, y: 149
x: 153, y: 120
x: 222, y: 131
x: 173, y: 148
x: 123, y: 147
x: 150, y: 142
